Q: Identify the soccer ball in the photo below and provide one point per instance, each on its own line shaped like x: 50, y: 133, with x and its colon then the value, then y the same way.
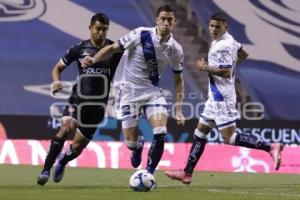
x: 142, y: 181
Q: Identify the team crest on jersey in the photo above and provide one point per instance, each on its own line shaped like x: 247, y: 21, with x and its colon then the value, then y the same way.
x: 222, y: 59
x: 169, y: 51
x: 21, y: 10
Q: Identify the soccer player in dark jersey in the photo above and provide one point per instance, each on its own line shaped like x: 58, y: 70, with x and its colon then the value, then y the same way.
x: 88, y: 99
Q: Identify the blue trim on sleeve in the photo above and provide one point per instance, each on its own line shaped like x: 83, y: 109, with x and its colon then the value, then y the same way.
x: 65, y: 61
x: 177, y: 71
x: 225, y: 66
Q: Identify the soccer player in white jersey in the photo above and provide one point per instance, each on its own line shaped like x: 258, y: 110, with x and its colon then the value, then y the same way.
x: 148, y: 51
x: 220, y: 108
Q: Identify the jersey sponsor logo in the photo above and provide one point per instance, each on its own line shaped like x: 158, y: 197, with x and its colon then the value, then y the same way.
x: 21, y: 10
x: 96, y: 71
x: 223, y: 51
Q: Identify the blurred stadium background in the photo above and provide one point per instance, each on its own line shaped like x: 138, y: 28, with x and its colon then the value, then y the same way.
x: 36, y: 33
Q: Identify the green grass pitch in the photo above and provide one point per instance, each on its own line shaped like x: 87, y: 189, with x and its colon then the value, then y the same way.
x: 19, y: 183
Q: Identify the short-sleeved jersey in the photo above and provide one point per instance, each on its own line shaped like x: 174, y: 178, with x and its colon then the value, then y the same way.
x: 145, y: 59
x: 223, y: 54
x: 93, y: 81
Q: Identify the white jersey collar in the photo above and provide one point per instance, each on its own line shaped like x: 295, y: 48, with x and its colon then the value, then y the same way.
x: 158, y: 37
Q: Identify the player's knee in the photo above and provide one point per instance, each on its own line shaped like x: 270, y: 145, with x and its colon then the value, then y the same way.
x: 227, y: 133
x: 69, y: 126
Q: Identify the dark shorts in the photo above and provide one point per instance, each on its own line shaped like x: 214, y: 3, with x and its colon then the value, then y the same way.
x: 88, y: 115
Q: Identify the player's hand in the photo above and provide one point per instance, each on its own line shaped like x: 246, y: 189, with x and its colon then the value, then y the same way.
x: 56, y: 86
x: 180, y: 118
x: 87, y: 61
x: 201, y: 64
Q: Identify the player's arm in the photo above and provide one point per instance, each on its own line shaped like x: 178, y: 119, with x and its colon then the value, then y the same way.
x: 102, y: 54
x: 179, y: 91
x: 242, y: 55
x: 56, y: 73
x: 218, y: 71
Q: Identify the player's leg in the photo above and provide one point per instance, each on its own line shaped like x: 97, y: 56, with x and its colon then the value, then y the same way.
x: 200, y: 133
x: 133, y: 141
x: 157, y: 115
x: 225, y: 120
x: 68, y: 127
x: 250, y: 141
x: 89, y: 116
x: 128, y: 112
x: 80, y: 141
x: 205, y: 124
x: 197, y: 148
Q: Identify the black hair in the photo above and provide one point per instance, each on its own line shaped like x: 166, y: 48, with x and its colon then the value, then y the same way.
x: 166, y: 8
x: 219, y: 17
x: 101, y: 18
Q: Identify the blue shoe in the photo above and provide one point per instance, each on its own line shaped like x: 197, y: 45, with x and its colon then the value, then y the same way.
x: 58, y: 173
x: 43, y: 178
x: 136, y: 156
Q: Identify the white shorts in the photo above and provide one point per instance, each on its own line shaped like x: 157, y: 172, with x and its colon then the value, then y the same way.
x: 133, y: 104
x: 222, y: 114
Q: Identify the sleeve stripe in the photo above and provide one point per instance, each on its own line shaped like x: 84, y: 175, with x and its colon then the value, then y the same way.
x: 225, y: 66
x: 64, y: 61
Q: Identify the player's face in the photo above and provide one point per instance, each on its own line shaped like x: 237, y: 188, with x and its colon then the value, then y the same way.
x: 98, y: 32
x: 217, y: 28
x: 165, y: 22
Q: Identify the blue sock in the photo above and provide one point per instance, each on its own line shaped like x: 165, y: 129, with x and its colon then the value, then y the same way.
x: 249, y: 141
x: 195, y: 153
x: 155, y: 152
